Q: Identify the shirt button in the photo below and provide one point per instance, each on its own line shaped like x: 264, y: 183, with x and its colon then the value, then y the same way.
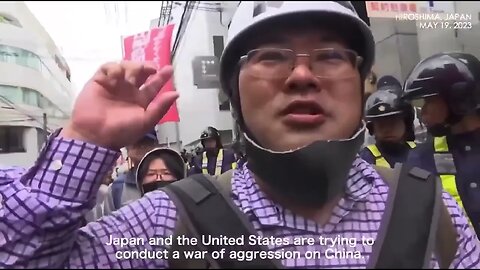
x: 56, y: 165
x: 468, y: 148
x: 473, y: 185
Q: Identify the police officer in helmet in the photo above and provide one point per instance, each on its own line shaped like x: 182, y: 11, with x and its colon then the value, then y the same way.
x: 214, y: 160
x: 449, y: 85
x: 383, y: 83
x: 390, y: 121
x: 210, y: 139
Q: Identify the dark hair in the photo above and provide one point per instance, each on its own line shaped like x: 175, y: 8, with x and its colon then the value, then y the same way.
x: 170, y: 160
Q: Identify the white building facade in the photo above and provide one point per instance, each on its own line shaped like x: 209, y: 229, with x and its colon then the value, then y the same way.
x: 402, y: 43
x: 200, y: 32
x: 35, y: 89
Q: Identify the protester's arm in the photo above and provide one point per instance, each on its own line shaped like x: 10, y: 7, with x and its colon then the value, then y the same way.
x: 108, y: 204
x: 151, y: 217
x: 232, y: 161
x: 43, y: 209
x: 468, y: 252
x: 366, y: 155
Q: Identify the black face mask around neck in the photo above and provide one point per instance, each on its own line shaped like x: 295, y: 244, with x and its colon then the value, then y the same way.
x: 155, y: 185
x: 309, y: 176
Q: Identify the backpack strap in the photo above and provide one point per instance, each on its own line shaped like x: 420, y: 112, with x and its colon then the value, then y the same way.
x: 415, y: 223
x: 225, y: 182
x: 206, y: 210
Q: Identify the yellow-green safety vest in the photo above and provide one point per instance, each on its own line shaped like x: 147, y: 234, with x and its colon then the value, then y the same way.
x: 448, y: 180
x: 218, y: 165
x: 379, y: 159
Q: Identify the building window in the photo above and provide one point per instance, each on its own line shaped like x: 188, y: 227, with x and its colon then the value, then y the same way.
x: 31, y: 97
x: 31, y: 60
x: 44, y: 103
x: 50, y: 108
x: 27, y: 96
x: 11, y: 93
x: 20, y: 57
x: 11, y: 139
x: 9, y: 20
x: 26, y: 58
x: 62, y: 66
x: 8, y: 55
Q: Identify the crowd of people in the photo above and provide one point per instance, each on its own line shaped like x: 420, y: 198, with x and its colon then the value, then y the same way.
x: 150, y: 167
x: 294, y: 73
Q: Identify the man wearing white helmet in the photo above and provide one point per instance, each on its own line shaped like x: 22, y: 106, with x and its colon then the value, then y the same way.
x: 294, y: 73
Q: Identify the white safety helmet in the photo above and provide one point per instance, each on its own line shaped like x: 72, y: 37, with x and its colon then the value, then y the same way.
x: 251, y: 14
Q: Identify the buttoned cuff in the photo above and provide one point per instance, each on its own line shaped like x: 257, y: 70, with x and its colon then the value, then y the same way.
x: 69, y: 170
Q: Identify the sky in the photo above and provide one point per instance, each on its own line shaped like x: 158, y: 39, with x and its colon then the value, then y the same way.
x: 87, y: 36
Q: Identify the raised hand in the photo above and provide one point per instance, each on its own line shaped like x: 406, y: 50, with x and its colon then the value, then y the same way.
x: 120, y: 104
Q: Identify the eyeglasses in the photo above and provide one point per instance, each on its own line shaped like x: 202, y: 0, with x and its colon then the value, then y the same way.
x: 159, y: 175
x: 273, y: 63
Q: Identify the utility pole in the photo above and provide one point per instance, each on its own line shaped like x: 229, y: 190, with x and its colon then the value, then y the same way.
x: 177, y: 132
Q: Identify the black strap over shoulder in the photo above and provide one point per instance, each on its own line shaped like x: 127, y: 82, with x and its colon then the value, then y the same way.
x: 406, y: 238
x: 414, y: 222
x: 206, y: 212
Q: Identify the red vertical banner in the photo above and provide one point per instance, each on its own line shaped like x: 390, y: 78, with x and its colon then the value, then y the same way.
x: 153, y: 45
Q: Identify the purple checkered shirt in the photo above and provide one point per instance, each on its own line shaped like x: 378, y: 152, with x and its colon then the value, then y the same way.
x: 41, y: 212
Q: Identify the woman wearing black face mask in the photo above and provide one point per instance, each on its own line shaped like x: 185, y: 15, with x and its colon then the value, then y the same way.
x: 158, y: 168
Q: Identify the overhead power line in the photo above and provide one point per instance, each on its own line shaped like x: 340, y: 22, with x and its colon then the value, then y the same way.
x: 13, y: 106
x: 182, y: 26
